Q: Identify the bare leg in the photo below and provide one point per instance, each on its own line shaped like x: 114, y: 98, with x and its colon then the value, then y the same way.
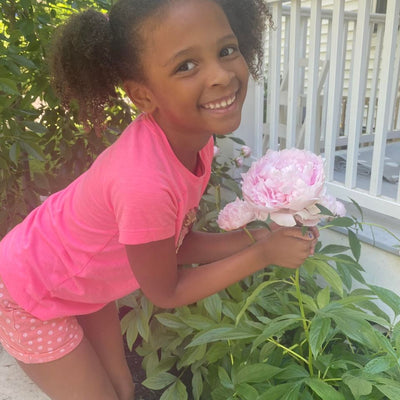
x: 103, y: 330
x: 78, y: 375
x: 95, y: 370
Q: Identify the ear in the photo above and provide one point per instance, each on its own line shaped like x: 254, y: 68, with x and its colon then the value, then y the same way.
x: 140, y: 95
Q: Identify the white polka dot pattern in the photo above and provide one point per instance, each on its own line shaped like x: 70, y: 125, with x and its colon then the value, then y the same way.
x: 31, y: 340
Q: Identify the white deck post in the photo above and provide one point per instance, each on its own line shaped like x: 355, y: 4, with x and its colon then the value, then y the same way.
x: 312, y: 137
x: 335, y: 87
x: 385, y: 90
x: 294, y: 69
x: 358, y: 85
x: 274, y: 76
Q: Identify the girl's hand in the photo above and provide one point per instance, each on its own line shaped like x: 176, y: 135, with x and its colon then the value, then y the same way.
x: 288, y: 247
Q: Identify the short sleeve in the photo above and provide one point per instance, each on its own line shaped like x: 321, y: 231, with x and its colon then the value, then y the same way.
x: 145, y: 211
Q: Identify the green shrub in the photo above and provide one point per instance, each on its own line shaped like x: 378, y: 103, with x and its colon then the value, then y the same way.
x: 42, y: 148
x: 279, y: 334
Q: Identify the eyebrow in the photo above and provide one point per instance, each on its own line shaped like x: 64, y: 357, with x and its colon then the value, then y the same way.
x: 189, y: 50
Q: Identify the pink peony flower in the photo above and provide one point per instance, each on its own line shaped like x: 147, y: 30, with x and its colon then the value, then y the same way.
x: 238, y: 161
x: 334, y: 206
x: 286, y: 187
x: 245, y: 151
x: 283, y: 183
x: 235, y: 215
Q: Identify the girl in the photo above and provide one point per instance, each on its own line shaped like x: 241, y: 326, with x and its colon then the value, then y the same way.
x: 125, y: 223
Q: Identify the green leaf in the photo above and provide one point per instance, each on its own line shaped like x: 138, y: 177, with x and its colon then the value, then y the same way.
x: 358, y: 208
x: 197, y: 384
x: 224, y: 378
x: 131, y: 334
x: 199, y: 322
x: 14, y: 152
x: 223, y: 333
x: 334, y: 249
x: 236, y: 140
x: 171, y: 321
x: 319, y: 330
x: 285, y: 391
x: 358, y: 386
x: 35, y: 127
x: 355, y: 244
x: 390, y: 391
x: 232, y: 185
x: 254, y: 373
x: 159, y: 381
x: 213, y: 305
x: 276, y: 328
x: 8, y: 86
x: 379, y: 364
x: 192, y: 355
x: 246, y: 391
x: 324, y: 210
x: 323, y: 297
x: 323, y: 390
x: 388, y: 297
x: 343, y: 222
x: 23, y: 61
x: 126, y: 320
x: 175, y: 392
x: 217, y: 351
x: 143, y: 325
x: 293, y: 372
x: 33, y: 149
x: 252, y: 298
x: 330, y: 275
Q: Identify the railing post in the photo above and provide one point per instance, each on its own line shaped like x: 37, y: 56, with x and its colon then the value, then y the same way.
x: 385, y: 90
x: 357, y: 91
x: 294, y: 69
x: 312, y: 137
x: 274, y: 76
x: 335, y: 87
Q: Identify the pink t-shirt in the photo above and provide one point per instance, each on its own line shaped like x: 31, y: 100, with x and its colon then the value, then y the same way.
x: 68, y: 256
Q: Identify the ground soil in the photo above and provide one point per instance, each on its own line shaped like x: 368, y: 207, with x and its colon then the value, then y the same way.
x: 138, y: 374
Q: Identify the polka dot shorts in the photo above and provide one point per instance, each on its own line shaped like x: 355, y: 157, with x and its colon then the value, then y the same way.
x: 30, y: 340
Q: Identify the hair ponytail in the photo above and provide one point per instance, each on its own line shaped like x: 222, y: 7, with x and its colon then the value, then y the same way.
x: 81, y: 65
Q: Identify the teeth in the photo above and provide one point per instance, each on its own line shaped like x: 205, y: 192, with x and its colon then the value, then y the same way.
x: 222, y: 104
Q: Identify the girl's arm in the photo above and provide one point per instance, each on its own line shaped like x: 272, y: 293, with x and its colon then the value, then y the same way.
x: 203, y: 247
x: 155, y: 266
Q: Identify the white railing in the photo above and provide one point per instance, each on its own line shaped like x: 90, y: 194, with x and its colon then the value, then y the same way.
x: 332, y: 86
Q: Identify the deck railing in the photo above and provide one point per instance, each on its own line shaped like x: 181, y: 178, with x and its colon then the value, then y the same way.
x: 332, y: 86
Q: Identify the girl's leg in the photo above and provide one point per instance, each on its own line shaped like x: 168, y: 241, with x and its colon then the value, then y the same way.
x: 95, y: 370
x: 103, y: 330
x: 78, y: 375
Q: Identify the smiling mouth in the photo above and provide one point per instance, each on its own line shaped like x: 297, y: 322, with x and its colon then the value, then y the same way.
x: 220, y: 105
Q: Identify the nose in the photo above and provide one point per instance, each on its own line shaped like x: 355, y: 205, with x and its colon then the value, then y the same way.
x: 219, y: 74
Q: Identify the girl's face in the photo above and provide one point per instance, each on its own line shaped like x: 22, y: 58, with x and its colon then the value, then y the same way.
x: 196, y: 77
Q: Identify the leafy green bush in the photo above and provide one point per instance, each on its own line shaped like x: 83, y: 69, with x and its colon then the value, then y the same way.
x: 42, y: 148
x: 280, y: 334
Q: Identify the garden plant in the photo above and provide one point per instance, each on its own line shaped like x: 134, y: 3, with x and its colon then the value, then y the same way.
x: 313, y: 333
x: 42, y: 147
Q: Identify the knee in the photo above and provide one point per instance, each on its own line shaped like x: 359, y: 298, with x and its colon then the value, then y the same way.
x: 127, y: 391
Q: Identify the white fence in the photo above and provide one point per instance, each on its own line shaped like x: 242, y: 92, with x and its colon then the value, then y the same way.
x: 332, y: 86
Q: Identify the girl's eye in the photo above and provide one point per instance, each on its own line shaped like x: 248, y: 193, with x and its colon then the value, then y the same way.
x: 186, y: 66
x: 227, y: 51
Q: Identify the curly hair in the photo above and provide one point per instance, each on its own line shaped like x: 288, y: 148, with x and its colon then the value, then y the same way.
x: 94, y: 53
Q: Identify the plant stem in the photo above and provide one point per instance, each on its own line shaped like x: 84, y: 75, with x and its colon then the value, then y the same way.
x: 288, y: 350
x: 218, y: 197
x: 305, y: 324
x: 249, y: 234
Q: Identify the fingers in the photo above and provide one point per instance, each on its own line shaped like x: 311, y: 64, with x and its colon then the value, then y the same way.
x: 299, y: 233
